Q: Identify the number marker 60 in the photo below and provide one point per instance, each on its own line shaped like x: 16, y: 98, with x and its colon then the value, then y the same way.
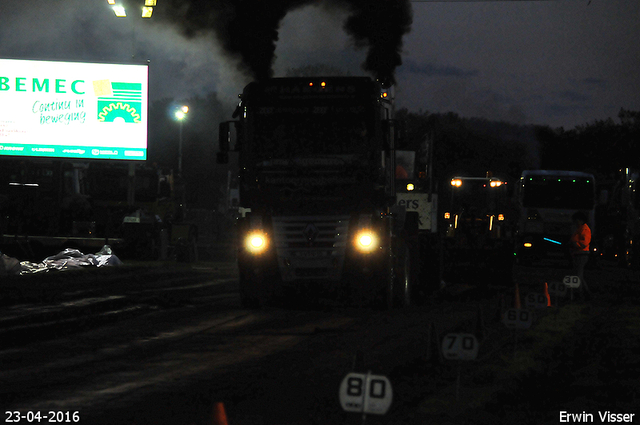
x: 516, y: 318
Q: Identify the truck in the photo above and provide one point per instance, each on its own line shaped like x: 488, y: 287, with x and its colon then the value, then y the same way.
x: 619, y: 218
x: 316, y: 160
x: 547, y: 199
x: 478, y: 231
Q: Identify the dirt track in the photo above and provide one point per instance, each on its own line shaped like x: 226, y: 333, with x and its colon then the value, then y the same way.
x: 195, y: 346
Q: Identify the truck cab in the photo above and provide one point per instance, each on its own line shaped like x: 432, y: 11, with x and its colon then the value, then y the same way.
x: 478, y: 232
x: 316, y: 179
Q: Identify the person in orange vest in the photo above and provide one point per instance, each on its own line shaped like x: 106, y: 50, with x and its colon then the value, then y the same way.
x: 579, y: 249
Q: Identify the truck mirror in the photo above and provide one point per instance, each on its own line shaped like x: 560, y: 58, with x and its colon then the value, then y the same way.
x: 223, y: 137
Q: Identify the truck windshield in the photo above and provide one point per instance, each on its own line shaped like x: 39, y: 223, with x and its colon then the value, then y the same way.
x: 555, y: 192
x: 282, y: 131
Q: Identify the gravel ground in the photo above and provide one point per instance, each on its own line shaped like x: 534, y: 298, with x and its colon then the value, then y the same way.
x: 579, y: 357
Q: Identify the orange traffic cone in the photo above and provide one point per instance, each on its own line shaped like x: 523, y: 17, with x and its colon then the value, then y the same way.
x: 219, y: 415
x: 546, y: 294
x: 516, y: 301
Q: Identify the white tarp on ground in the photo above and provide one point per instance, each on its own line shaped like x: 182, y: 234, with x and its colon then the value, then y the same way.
x: 67, y: 259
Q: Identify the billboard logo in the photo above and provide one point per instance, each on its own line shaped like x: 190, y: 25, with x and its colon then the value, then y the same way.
x: 118, y: 102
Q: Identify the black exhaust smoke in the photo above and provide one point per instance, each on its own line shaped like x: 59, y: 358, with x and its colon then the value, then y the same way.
x: 247, y: 30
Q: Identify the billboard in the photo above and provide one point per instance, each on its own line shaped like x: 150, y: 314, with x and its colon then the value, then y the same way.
x: 73, y: 109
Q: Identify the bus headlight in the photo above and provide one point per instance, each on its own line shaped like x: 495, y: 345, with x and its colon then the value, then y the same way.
x: 366, y: 241
x: 256, y: 242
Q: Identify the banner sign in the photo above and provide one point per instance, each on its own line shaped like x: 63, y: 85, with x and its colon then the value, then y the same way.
x: 73, y: 109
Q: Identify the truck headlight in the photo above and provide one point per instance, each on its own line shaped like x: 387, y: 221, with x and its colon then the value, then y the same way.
x: 366, y: 241
x: 256, y: 242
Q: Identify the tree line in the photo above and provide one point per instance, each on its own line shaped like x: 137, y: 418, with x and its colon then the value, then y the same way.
x: 469, y: 146
x: 473, y: 146
x: 461, y: 146
x: 601, y: 147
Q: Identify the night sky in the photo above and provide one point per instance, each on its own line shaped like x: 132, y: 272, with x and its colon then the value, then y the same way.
x: 560, y: 63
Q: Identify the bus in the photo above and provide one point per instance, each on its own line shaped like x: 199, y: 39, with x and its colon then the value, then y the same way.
x: 547, y: 199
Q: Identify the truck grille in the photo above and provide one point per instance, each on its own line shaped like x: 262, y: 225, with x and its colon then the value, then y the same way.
x: 310, y: 247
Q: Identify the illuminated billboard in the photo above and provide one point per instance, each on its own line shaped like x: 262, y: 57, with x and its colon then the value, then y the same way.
x: 73, y: 109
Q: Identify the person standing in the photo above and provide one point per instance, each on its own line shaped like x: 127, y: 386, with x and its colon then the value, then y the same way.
x: 579, y: 249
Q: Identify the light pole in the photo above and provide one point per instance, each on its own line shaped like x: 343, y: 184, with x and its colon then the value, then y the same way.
x: 120, y: 7
x: 180, y: 115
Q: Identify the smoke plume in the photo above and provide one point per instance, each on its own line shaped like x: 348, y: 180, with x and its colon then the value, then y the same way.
x: 247, y: 30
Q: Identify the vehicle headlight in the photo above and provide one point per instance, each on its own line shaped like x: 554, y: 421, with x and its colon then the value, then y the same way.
x: 256, y: 242
x: 366, y: 241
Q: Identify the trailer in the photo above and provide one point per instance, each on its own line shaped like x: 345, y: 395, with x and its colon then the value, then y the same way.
x: 48, y: 205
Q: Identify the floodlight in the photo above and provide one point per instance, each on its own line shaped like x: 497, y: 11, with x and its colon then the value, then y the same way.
x: 119, y: 11
x: 181, y: 113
